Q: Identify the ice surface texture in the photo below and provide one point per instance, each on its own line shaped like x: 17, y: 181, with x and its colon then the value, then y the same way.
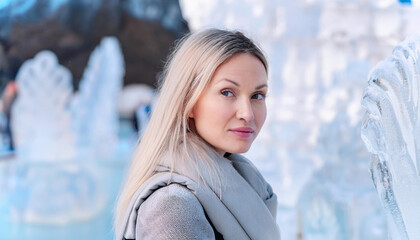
x: 54, y: 193
x: 391, y: 132
x: 339, y: 201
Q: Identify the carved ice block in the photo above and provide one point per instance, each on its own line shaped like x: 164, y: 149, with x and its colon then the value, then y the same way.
x: 94, y: 107
x: 391, y: 132
x: 48, y: 182
x: 41, y: 120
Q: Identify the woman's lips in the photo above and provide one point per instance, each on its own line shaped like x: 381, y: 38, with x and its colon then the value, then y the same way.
x: 243, y: 132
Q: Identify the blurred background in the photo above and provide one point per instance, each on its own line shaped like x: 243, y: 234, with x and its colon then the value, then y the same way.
x: 78, y: 82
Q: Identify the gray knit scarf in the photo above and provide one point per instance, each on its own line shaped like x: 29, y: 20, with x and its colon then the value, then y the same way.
x: 246, y: 210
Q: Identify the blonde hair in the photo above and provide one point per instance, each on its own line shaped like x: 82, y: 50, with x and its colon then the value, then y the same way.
x: 186, y: 74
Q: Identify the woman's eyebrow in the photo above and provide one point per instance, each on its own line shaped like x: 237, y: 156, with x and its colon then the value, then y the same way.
x: 261, y: 86
x: 237, y: 84
x: 231, y: 81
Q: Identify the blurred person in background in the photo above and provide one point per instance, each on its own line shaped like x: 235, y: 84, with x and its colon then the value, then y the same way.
x: 187, y: 179
x: 7, y: 99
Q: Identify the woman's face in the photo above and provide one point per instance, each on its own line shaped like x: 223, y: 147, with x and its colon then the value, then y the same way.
x: 231, y: 110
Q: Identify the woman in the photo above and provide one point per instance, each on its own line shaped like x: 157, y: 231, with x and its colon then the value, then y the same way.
x: 186, y: 179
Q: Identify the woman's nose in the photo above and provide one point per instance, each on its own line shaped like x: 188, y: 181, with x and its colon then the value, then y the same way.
x: 245, y: 111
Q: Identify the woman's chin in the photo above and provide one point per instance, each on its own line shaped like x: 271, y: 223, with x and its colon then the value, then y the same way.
x: 238, y: 149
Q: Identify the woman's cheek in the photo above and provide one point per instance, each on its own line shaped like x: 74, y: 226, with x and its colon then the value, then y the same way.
x: 261, y: 115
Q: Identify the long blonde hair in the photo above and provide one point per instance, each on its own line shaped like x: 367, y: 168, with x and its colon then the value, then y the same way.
x: 186, y: 74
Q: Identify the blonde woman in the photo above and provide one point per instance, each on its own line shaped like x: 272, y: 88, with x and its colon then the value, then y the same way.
x: 187, y: 179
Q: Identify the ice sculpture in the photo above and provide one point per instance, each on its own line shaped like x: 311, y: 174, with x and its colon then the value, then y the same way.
x: 56, y: 135
x: 94, y: 107
x: 391, y: 131
x: 41, y: 120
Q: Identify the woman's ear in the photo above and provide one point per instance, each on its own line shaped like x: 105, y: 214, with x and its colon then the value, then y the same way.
x: 191, y: 114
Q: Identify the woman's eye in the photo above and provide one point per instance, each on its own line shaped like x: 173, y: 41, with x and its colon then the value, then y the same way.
x: 227, y: 93
x: 258, y: 96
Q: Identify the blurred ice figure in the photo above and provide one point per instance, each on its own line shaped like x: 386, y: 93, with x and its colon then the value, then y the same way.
x: 41, y: 120
x: 48, y: 183
x: 391, y: 131
x: 339, y: 201
x: 94, y: 107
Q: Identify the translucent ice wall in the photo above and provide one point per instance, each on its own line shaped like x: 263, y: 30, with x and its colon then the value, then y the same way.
x: 391, y: 132
x: 339, y: 201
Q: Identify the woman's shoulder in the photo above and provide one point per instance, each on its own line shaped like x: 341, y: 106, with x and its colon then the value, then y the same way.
x: 172, y: 212
x: 171, y: 194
